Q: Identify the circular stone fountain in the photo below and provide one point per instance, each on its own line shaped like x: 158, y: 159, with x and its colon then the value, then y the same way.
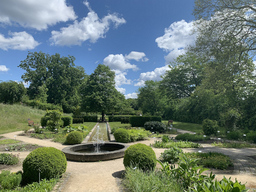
x: 86, y: 152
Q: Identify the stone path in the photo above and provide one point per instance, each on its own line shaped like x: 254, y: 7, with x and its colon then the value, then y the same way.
x: 105, y: 176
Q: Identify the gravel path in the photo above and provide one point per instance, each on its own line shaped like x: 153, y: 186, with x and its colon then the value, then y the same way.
x: 105, y: 176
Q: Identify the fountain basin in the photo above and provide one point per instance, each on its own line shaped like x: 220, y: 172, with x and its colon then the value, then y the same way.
x: 82, y: 152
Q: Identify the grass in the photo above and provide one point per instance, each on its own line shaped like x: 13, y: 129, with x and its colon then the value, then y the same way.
x: 234, y: 145
x: 15, y: 117
x: 114, y: 125
x: 8, y: 141
x: 197, y: 128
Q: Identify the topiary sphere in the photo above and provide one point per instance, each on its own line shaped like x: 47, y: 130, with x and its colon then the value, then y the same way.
x: 122, y: 135
x: 75, y: 137
x: 51, y: 163
x: 140, y: 156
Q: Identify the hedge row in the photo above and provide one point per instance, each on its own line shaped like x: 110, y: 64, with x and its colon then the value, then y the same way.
x: 118, y: 118
x: 87, y: 118
x: 43, y: 106
x: 139, y: 121
x: 67, y: 120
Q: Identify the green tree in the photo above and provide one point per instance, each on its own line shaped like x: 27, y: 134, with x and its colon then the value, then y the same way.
x: 99, y: 93
x: 185, y: 75
x: 11, y: 92
x: 150, y: 99
x: 60, y: 76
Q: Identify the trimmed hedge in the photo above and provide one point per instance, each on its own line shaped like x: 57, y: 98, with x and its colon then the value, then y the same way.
x: 87, y: 118
x: 118, y: 118
x: 125, y: 120
x: 139, y: 121
x: 75, y: 137
x: 140, y: 156
x: 51, y: 163
x: 210, y: 127
x: 122, y: 135
x: 67, y: 120
x: 78, y: 120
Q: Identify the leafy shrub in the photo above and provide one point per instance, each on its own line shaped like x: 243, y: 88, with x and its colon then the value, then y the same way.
x: 50, y: 162
x: 155, y: 126
x: 139, y: 121
x: 171, y: 155
x: 122, y: 135
x: 67, y: 120
x: 226, y: 185
x: 210, y: 127
x: 78, y: 120
x: 10, y: 180
x: 8, y: 159
x: 212, y: 160
x: 44, y: 121
x: 192, y: 137
x: 43, y: 106
x: 138, y: 134
x: 71, y: 128
x: 251, y: 136
x: 141, y: 156
x: 234, y: 135
x: 165, y: 139
x: 118, y: 118
x: 74, y: 137
x: 54, y: 120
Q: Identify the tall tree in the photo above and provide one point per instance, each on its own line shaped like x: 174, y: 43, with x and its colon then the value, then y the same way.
x: 226, y: 19
x: 11, y: 92
x: 150, y: 99
x: 185, y: 75
x: 99, y: 93
x: 60, y: 76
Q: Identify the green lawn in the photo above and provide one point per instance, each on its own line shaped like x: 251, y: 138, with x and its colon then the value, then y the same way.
x: 187, y: 126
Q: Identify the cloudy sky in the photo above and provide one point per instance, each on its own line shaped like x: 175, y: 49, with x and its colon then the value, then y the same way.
x: 136, y: 38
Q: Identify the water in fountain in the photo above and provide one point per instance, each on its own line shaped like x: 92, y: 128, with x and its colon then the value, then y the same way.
x: 98, y: 139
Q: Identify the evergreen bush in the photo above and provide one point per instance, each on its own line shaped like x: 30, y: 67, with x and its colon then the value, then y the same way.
x: 155, y: 126
x: 210, y: 127
x: 10, y: 180
x: 171, y: 155
x: 122, y: 135
x: 49, y: 161
x: 67, y: 120
x: 140, y: 156
x: 75, y: 137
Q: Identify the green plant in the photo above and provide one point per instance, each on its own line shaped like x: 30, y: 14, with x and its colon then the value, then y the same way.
x: 138, y: 134
x: 122, y: 135
x: 48, y: 161
x: 234, y: 135
x: 225, y: 185
x: 192, y: 137
x: 212, y: 160
x: 155, y: 126
x: 54, y: 120
x: 141, y: 156
x: 165, y: 139
x: 75, y: 137
x: 210, y: 127
x: 251, y: 136
x: 180, y: 144
x: 67, y: 120
x: 139, y: 121
x: 171, y: 155
x: 234, y: 145
x: 154, y: 181
x: 71, y: 128
x: 8, y: 159
x: 37, y: 129
x: 9, y: 180
x: 8, y: 141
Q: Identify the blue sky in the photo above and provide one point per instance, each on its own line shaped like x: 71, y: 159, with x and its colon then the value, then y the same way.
x: 135, y: 38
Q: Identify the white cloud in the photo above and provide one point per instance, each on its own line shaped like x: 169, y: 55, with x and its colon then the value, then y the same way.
x: 152, y: 75
x: 89, y: 28
x: 37, y: 14
x: 177, y: 37
x: 131, y: 95
x: 137, y: 56
x: 18, y: 41
x: 3, y: 68
x: 118, y: 62
x: 120, y: 78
